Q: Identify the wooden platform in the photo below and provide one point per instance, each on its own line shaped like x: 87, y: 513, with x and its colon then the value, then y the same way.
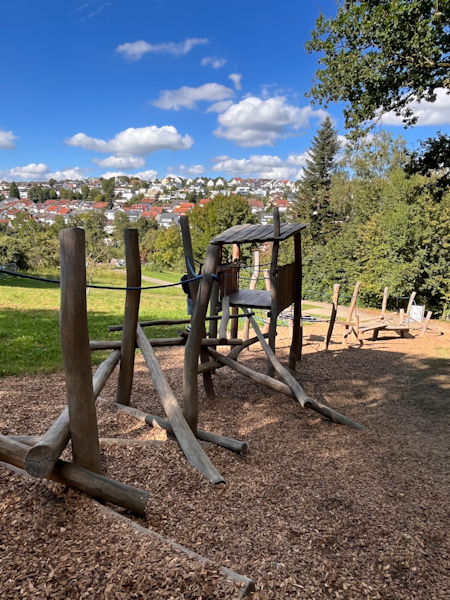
x: 251, y: 299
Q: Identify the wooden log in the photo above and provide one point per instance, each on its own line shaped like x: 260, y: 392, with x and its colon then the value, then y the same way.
x: 41, y: 459
x: 175, y: 321
x: 247, y: 585
x: 274, y: 286
x: 182, y: 431
x: 298, y: 391
x: 86, y: 481
x: 252, y: 286
x: 426, y: 323
x: 76, y: 353
x: 206, y: 436
x: 295, y: 352
x: 31, y: 440
x: 225, y: 318
x: 193, y: 344
x: 131, y: 317
x: 112, y: 344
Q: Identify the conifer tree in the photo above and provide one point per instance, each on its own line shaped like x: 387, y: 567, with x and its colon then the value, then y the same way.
x: 314, y: 189
x: 14, y: 191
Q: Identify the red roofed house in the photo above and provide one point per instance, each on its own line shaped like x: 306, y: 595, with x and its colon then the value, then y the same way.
x: 100, y: 205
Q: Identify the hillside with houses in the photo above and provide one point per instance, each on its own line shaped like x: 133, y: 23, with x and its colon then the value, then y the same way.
x: 162, y: 200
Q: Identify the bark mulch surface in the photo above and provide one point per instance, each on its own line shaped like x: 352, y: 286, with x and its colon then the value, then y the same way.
x: 315, y: 510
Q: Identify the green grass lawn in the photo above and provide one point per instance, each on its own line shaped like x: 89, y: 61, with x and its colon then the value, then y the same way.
x: 29, y: 319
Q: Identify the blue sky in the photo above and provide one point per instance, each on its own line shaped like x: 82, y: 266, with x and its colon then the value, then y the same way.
x: 151, y: 87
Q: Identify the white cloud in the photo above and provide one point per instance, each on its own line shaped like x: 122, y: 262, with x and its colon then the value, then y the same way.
x: 135, y: 50
x: 215, y: 62
x: 110, y: 174
x: 148, y: 175
x: 429, y: 113
x: 257, y: 122
x: 7, y: 140
x: 31, y: 171
x: 188, y: 96
x: 220, y: 106
x: 263, y: 166
x: 121, y: 162
x: 188, y: 170
x: 236, y: 79
x: 143, y: 175
x: 41, y: 172
x: 70, y: 173
x: 141, y: 141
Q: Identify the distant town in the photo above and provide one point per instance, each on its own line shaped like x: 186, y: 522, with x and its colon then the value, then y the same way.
x: 163, y: 200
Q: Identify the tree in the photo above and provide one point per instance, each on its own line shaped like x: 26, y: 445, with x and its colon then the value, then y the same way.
x: 51, y: 182
x: 379, y: 55
x: 14, y: 191
x: 314, y: 189
x: 214, y: 218
x: 432, y: 158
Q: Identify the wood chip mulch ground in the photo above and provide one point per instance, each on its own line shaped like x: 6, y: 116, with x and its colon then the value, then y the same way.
x: 314, y: 511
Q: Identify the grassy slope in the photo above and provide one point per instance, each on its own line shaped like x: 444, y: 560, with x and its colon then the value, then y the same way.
x: 29, y: 320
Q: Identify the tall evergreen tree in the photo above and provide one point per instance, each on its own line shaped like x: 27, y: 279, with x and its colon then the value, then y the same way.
x: 314, y: 190
x: 14, y: 191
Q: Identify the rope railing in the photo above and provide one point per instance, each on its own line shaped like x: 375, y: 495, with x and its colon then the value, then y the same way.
x: 103, y: 287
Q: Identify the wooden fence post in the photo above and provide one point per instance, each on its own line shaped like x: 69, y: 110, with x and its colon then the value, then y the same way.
x: 130, y: 319
x: 76, y: 352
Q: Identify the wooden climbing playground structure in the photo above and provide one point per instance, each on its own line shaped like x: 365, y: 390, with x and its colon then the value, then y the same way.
x: 40, y: 456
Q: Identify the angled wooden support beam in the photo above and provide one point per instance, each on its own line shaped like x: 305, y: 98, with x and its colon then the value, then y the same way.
x: 75, y: 351
x: 41, y: 458
x: 181, y: 429
x: 296, y: 388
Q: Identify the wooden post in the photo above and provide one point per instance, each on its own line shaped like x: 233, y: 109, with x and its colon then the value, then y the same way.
x: 182, y: 431
x: 76, y: 352
x: 252, y: 286
x: 410, y: 303
x: 384, y: 305
x: 334, y: 309
x: 194, y: 286
x: 42, y: 457
x: 225, y: 318
x: 234, y: 309
x: 401, y: 316
x: 426, y: 322
x: 193, y: 344
x: 273, y: 286
x: 131, y: 317
x: 348, y: 328
x: 297, y: 333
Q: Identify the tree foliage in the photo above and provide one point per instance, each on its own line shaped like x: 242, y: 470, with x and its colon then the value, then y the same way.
x: 379, y: 55
x: 14, y: 190
x: 314, y: 188
x: 215, y: 217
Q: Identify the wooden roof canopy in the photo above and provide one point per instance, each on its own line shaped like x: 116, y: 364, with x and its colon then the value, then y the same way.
x: 244, y: 234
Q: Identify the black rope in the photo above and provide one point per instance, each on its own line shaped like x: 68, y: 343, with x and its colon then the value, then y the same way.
x: 101, y: 287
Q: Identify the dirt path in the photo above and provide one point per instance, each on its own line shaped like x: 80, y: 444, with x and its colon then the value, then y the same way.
x: 314, y: 511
